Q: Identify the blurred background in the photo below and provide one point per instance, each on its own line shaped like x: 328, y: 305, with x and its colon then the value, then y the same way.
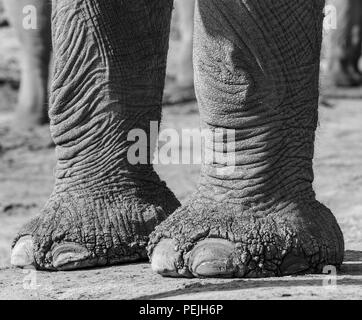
x: 27, y: 152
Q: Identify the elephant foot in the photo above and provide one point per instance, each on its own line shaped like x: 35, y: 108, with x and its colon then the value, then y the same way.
x: 3, y: 21
x: 344, y: 80
x: 357, y: 74
x: 76, y: 231
x: 206, y: 239
x: 345, y: 77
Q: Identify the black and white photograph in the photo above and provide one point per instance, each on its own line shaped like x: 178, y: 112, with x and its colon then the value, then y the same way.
x: 190, y: 150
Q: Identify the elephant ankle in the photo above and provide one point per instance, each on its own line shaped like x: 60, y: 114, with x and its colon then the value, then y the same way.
x: 261, y: 205
x: 255, y: 188
x: 128, y: 181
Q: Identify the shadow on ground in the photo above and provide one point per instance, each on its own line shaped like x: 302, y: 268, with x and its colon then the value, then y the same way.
x: 137, y: 281
x: 351, y: 267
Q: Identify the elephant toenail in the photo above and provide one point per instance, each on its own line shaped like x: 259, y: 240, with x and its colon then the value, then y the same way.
x: 212, y: 258
x: 69, y: 256
x: 22, y: 254
x: 165, y: 258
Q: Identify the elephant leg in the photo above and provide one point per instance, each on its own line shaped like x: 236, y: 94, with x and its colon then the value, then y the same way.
x: 357, y: 41
x: 182, y: 89
x: 34, y: 34
x: 185, y: 71
x: 109, y: 70
x: 342, y: 44
x: 256, y: 74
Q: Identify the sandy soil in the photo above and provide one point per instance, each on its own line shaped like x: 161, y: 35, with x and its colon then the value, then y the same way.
x: 26, y: 178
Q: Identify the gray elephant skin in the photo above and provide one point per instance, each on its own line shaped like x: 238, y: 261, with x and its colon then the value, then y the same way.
x: 256, y: 67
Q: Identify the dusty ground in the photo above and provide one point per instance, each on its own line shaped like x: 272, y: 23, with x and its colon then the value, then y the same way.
x: 26, y: 166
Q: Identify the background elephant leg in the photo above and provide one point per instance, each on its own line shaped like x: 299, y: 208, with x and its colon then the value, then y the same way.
x: 341, y: 42
x: 182, y: 88
x: 255, y: 213
x: 357, y: 41
x: 185, y: 73
x: 35, y: 44
x: 109, y: 73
